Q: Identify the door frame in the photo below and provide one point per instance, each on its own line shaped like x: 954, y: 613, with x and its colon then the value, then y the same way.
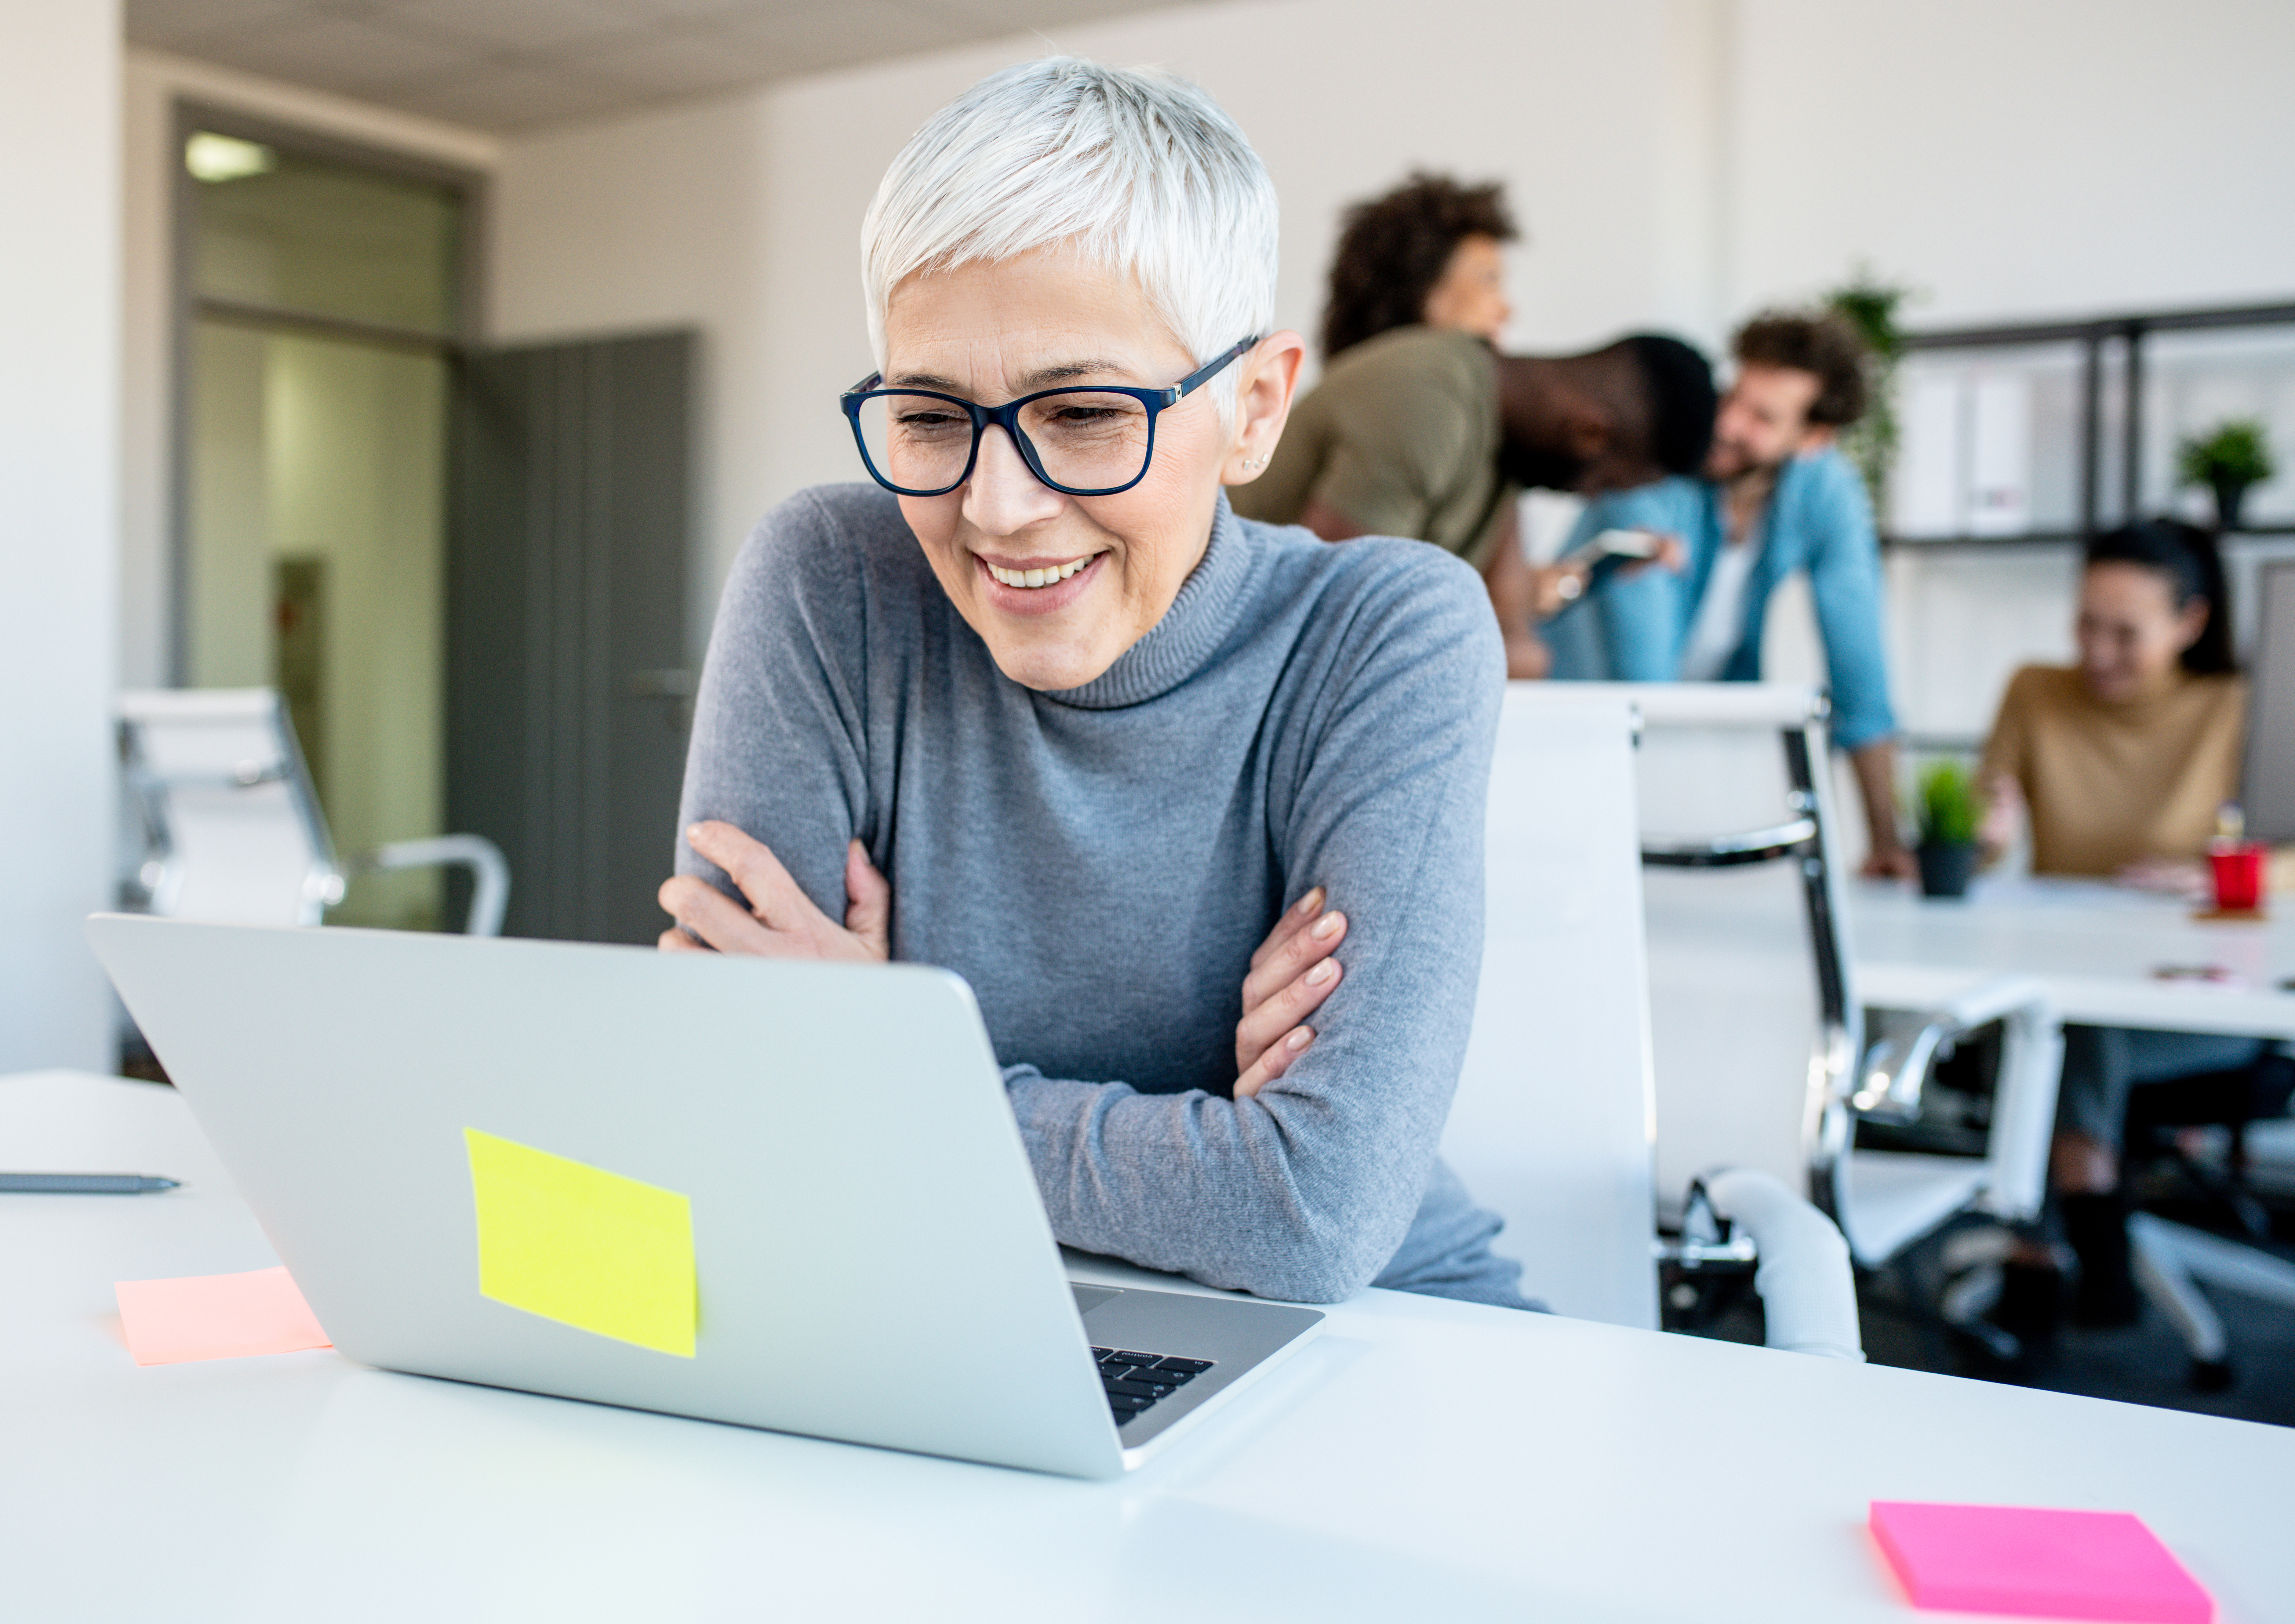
x: 185, y: 306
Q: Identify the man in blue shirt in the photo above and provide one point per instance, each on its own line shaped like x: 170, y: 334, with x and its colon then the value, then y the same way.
x: 1776, y: 496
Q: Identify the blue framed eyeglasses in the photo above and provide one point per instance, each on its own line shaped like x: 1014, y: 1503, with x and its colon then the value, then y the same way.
x: 1094, y: 441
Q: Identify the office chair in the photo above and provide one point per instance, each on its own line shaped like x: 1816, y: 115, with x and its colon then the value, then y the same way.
x: 1760, y: 1041
x: 2170, y: 1258
x: 227, y: 826
x: 1552, y: 1123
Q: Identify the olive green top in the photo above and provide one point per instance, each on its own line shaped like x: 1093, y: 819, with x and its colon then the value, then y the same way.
x: 1402, y: 435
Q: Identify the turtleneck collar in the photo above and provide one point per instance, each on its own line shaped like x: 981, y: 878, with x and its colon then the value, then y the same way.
x: 1211, y: 600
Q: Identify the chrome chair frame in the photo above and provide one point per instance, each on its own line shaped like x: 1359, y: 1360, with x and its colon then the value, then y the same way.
x: 1846, y: 1081
x: 153, y: 879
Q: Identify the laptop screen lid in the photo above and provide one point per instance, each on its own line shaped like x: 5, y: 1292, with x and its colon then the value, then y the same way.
x: 417, y: 1119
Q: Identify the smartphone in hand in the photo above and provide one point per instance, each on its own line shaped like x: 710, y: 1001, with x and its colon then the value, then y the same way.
x: 1623, y: 544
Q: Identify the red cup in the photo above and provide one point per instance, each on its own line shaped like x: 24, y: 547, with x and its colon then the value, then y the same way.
x: 2239, y: 874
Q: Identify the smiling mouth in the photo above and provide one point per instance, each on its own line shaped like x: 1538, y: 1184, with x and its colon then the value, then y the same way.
x: 1051, y: 575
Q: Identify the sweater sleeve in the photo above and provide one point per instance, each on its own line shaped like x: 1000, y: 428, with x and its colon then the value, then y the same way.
x: 1305, y: 1191
x: 778, y: 742
x: 1643, y: 608
x: 2007, y: 749
x: 1844, y: 571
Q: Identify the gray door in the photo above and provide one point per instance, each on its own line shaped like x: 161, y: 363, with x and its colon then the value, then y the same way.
x: 566, y: 683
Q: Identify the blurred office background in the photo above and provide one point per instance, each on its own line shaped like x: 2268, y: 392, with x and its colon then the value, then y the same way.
x: 429, y: 359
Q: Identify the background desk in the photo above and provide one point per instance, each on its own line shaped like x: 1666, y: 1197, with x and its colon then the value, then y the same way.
x: 2093, y: 947
x: 1422, y: 1460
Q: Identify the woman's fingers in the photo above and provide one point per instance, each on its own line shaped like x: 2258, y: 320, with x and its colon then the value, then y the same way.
x: 1292, y: 957
x: 1274, y: 1062
x: 1290, y: 978
x: 675, y: 941
x: 773, y: 896
x: 715, y: 920
x: 868, y: 902
x: 2004, y: 811
x: 780, y: 921
x: 1267, y: 1025
x: 1295, y: 919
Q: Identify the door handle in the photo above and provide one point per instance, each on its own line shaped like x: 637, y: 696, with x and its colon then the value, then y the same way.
x: 669, y: 682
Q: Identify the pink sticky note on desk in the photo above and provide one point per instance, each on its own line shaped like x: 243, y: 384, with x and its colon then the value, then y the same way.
x: 216, y: 1317
x: 2054, y: 1565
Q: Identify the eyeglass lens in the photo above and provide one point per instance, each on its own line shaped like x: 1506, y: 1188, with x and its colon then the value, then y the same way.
x: 1083, y: 438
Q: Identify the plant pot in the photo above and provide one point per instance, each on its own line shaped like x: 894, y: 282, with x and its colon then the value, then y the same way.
x: 1946, y: 867
x: 2230, y: 494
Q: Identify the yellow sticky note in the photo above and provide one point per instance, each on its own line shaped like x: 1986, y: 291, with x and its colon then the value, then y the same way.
x: 586, y: 1247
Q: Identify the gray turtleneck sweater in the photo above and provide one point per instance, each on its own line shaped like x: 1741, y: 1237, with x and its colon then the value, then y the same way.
x: 1100, y: 864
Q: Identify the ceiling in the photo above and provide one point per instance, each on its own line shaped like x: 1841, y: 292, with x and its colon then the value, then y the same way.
x: 519, y: 64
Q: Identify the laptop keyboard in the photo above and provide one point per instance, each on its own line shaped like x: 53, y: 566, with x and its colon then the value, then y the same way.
x: 1136, y: 1380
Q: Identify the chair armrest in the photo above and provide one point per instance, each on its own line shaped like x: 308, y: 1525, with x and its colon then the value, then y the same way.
x: 489, y: 872
x: 1889, y: 1083
x: 1730, y: 850
x: 1808, y: 1290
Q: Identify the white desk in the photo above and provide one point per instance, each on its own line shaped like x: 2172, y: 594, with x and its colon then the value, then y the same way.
x: 2093, y: 947
x: 1423, y: 1460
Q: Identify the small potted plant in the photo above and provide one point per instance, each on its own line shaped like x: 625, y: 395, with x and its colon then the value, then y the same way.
x: 1948, y: 817
x: 1870, y: 305
x: 2230, y: 457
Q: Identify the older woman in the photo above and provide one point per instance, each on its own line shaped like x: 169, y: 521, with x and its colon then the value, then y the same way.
x: 1044, y: 711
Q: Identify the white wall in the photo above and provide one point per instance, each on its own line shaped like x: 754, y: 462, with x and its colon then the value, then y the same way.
x: 59, y: 469
x: 2014, y: 157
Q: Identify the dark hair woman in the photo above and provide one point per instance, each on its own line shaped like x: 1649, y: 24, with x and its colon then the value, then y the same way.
x: 2183, y: 559
x: 1425, y: 252
x: 2123, y: 759
x: 2121, y: 763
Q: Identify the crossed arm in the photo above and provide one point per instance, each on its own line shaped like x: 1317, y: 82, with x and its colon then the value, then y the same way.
x: 1291, y: 973
x: 1301, y: 1178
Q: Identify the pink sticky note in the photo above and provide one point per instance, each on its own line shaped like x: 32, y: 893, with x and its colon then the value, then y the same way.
x: 216, y: 1317
x: 2055, y: 1564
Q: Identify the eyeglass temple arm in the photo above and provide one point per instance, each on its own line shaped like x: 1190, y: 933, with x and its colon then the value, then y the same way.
x: 1191, y: 382
x: 1211, y: 368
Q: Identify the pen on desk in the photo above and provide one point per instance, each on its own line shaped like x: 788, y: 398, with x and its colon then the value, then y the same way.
x: 81, y: 1184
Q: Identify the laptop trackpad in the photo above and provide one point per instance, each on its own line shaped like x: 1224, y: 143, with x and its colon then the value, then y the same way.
x: 1089, y: 1297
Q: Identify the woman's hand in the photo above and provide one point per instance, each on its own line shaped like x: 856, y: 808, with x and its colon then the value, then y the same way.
x: 2184, y: 876
x: 780, y: 921
x: 1555, y: 587
x: 2004, y: 815
x: 1291, y: 975
x: 1551, y: 588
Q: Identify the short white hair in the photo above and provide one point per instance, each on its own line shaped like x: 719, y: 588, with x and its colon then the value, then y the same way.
x: 1137, y: 169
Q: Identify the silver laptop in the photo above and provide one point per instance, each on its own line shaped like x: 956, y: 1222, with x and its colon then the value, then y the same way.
x: 785, y: 1195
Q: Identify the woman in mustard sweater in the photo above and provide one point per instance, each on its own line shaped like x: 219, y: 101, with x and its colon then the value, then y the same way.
x: 2120, y: 766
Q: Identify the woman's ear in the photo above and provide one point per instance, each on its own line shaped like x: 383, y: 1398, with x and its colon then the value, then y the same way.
x: 2191, y: 620
x: 1589, y: 430
x: 1267, y: 379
